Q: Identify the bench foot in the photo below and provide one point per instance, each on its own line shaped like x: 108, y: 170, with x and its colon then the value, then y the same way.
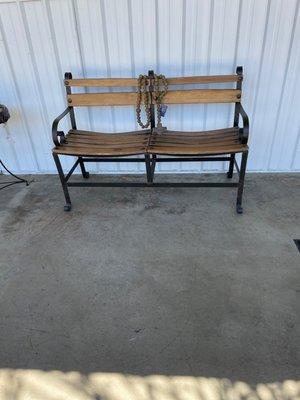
x: 67, y: 207
x: 229, y: 175
x: 86, y: 175
x: 239, y: 209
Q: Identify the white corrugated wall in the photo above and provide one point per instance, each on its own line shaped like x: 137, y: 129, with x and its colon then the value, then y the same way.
x: 41, y: 39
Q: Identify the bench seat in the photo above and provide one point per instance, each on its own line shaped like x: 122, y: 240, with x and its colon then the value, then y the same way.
x: 221, y: 141
x: 164, y: 142
x: 86, y: 143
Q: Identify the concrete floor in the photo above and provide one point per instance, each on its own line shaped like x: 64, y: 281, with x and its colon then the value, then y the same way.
x: 152, y: 281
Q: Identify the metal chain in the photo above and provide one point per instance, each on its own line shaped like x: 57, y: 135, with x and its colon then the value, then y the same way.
x: 160, y: 90
x: 160, y: 85
x: 143, y: 95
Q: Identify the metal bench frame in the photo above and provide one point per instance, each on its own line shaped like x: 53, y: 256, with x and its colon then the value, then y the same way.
x: 151, y: 160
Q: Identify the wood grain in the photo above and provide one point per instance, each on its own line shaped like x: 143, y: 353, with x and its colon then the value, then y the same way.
x: 202, y: 79
x: 197, y: 150
x: 102, y: 99
x: 172, y: 97
x: 132, y: 82
x: 202, y: 96
x: 221, y: 141
x: 102, y: 82
x: 85, y: 143
x: 103, y: 144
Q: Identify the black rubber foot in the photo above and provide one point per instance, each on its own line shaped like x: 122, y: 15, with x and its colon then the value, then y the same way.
x: 67, y: 207
x: 86, y: 175
x: 239, y: 209
x: 229, y: 175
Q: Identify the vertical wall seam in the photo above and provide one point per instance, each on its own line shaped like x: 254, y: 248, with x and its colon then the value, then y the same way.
x: 78, y: 35
x: 238, y: 32
x: 80, y: 48
x: 183, y: 38
x: 195, y: 39
x: 257, y: 84
x: 132, y: 58
x: 107, y: 56
x: 60, y: 72
x: 209, y: 50
x: 287, y: 65
x: 234, y: 64
x: 105, y: 38
x: 157, y: 36
x: 106, y: 51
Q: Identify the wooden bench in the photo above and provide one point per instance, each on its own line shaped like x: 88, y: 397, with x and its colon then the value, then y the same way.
x: 156, y: 144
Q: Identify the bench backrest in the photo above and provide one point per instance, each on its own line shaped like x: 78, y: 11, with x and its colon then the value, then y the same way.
x: 194, y: 96
x: 189, y: 96
x: 100, y: 99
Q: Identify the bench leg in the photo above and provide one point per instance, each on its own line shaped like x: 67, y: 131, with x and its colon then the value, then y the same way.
x: 148, y: 169
x: 231, y: 165
x: 239, y: 208
x: 153, y: 165
x: 85, y: 174
x: 63, y: 181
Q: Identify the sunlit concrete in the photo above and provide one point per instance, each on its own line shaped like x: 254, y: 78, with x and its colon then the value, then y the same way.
x: 152, y: 281
x: 56, y: 385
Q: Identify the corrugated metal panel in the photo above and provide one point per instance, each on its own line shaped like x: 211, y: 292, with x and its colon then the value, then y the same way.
x: 41, y: 39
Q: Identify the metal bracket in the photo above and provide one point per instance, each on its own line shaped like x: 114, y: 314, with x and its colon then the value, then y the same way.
x: 10, y: 183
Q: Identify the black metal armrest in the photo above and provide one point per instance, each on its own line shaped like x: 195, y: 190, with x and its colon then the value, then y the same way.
x: 55, y: 133
x: 244, y: 132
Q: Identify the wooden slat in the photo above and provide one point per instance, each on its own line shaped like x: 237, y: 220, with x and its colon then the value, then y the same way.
x: 197, y: 150
x: 102, y: 99
x: 85, y: 143
x: 91, y: 139
x: 132, y: 82
x: 94, y: 143
x: 221, y: 141
x: 179, y: 143
x: 106, y: 146
x: 102, y: 82
x: 194, y: 142
x: 197, y: 134
x: 110, y: 138
x: 98, y: 151
x: 202, y: 96
x: 115, y: 135
x: 172, y: 97
x: 202, y: 79
x: 118, y: 143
